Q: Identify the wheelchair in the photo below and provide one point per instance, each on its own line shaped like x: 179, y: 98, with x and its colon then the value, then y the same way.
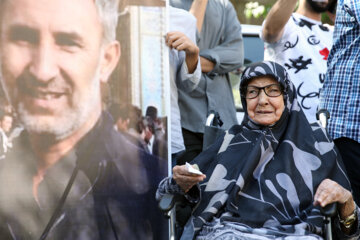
x: 169, y: 202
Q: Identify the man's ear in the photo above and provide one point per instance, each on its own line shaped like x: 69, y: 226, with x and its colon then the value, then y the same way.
x: 109, y: 59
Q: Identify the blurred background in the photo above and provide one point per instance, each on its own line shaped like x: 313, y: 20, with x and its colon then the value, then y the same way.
x: 252, y: 12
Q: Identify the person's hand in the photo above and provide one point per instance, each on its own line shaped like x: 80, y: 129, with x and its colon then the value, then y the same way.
x: 329, y: 192
x: 185, y: 179
x: 181, y: 42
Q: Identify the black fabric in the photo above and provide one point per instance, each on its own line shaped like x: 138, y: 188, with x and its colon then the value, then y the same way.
x: 269, y: 170
x: 350, y: 153
x: 193, y: 144
x: 211, y: 133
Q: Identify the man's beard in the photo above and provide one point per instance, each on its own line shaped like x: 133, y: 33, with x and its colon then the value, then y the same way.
x: 70, y: 119
x: 317, y: 8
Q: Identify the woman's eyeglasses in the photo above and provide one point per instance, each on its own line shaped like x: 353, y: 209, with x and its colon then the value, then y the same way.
x: 272, y: 90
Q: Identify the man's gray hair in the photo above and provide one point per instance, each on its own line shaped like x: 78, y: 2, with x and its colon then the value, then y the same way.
x: 108, y: 14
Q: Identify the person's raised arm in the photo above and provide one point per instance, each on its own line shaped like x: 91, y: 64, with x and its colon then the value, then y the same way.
x: 198, y: 9
x: 276, y: 20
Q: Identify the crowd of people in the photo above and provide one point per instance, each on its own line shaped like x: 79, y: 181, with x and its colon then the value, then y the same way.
x: 79, y: 170
x: 147, y: 132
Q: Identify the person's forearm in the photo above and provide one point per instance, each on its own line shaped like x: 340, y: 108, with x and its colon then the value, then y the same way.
x: 277, y: 19
x: 167, y: 186
x: 206, y: 65
x: 191, y: 62
x: 198, y: 9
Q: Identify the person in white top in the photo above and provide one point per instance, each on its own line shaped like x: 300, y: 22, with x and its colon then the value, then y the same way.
x: 301, y: 43
x: 185, y: 69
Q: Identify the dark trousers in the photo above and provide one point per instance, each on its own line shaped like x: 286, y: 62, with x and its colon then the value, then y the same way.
x: 350, y: 153
x: 193, y: 146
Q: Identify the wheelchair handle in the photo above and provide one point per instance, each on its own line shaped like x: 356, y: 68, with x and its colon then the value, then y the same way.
x: 213, y: 119
x: 329, y: 210
x: 210, y: 119
x: 323, y: 115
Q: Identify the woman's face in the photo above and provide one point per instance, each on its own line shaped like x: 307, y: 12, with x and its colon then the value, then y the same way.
x: 263, y: 109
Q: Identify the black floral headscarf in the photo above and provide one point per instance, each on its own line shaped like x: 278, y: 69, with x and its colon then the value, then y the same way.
x: 265, y: 177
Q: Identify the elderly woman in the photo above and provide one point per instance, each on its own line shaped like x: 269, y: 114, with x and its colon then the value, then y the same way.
x: 266, y: 178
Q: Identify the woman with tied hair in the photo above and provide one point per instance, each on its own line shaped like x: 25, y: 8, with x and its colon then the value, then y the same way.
x: 266, y: 178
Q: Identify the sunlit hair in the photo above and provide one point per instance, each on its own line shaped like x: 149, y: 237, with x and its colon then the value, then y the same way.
x: 108, y: 14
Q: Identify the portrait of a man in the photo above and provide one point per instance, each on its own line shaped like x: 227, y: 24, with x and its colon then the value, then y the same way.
x: 70, y: 174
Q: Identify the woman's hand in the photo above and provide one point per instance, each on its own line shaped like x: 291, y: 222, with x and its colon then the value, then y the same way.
x: 185, y: 179
x: 329, y: 192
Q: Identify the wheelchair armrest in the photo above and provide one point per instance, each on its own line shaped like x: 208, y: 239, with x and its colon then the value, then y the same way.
x: 168, y: 201
x: 329, y: 210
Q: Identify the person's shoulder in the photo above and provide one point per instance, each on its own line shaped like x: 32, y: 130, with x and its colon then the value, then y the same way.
x: 179, y: 12
x: 123, y: 152
x: 121, y: 142
x: 223, y: 4
x: 294, y: 19
x: 106, y: 141
x: 330, y: 27
x: 182, y: 21
x: 125, y: 146
x: 302, y: 20
x: 290, y: 28
x: 177, y: 3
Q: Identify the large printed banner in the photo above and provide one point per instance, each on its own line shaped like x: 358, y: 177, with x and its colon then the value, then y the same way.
x: 85, y: 90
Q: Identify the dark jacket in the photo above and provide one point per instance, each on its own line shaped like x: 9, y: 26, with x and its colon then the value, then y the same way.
x: 112, y: 197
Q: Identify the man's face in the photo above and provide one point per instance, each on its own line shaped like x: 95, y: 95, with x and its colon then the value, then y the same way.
x: 52, y: 62
x: 6, y: 123
x: 123, y: 124
x: 320, y: 7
